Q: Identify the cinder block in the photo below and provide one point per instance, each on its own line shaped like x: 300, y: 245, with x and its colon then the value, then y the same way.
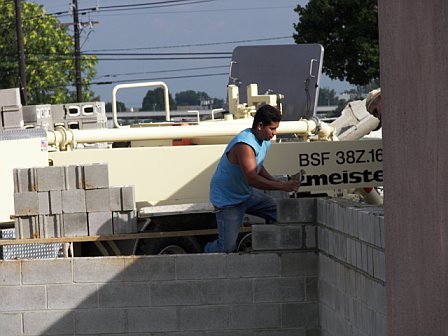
x: 280, y: 290
x: 100, y: 223
x: 98, y: 200
x: 44, y: 202
x: 73, y: 201
x: 296, y: 210
x: 27, y: 227
x: 124, y: 294
x: 73, y: 177
x: 12, y: 117
x: 310, y: 236
x: 75, y: 224
x: 100, y: 321
x: 204, y: 318
x: 50, y: 225
x: 299, y: 263
x: 128, y: 198
x: 178, y: 293
x: 227, y: 291
x: 265, y: 237
x: 144, y: 268
x: 10, y: 273
x: 200, y: 266
x: 24, y: 179
x: 256, y: 316
x: 26, y: 203
x: 122, y: 198
x: 22, y: 298
x: 40, y: 272
x: 96, y: 176
x: 50, y: 178
x: 50, y: 202
x: 160, y: 319
x: 72, y: 296
x: 115, y: 198
x: 303, y: 315
x: 48, y: 323
x: 252, y: 265
x: 124, y: 221
x: 98, y: 270
x: 11, y: 324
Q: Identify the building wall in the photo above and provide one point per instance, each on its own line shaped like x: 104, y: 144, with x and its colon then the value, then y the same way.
x: 414, y: 72
x: 319, y: 271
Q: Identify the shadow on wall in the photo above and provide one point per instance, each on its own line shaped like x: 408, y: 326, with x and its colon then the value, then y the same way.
x: 215, y: 294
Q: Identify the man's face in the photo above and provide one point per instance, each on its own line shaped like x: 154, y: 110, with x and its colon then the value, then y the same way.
x: 267, y: 132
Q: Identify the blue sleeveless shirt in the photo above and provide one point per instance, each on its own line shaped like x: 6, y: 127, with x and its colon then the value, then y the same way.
x: 228, y: 185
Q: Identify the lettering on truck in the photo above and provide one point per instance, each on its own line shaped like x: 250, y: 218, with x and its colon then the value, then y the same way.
x: 342, y: 165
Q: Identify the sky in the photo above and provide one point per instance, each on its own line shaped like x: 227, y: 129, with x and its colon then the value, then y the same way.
x: 215, y: 27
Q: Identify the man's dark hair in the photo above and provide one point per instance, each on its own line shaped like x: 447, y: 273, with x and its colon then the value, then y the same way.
x: 266, y: 114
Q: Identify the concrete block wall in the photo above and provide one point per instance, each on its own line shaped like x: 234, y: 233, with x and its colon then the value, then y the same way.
x: 271, y: 294
x: 71, y: 201
x: 288, y: 286
x: 352, y: 283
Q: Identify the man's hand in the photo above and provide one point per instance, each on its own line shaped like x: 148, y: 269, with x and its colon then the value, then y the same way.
x: 290, y: 186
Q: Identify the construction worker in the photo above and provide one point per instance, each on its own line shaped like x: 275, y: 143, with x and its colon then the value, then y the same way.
x: 373, y: 104
x: 239, y: 171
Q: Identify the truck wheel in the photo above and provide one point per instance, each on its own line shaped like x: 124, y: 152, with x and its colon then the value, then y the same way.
x: 244, y: 243
x: 178, y: 245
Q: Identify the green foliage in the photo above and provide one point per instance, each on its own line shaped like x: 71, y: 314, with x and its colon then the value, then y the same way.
x: 121, y: 107
x: 154, y: 101
x: 348, y: 31
x: 197, y: 98
x: 218, y: 103
x: 49, y: 56
x: 327, y: 97
x: 190, y: 97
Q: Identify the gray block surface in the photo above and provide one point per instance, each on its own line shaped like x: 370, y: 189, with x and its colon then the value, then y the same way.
x: 73, y: 200
x: 75, y: 224
x: 96, y: 176
x: 296, y: 210
x: 124, y: 222
x: 26, y: 203
x: 50, y: 178
x: 100, y: 223
x: 98, y: 200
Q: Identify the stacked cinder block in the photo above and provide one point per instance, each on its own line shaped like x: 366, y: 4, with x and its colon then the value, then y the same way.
x: 295, y: 228
x: 11, y: 115
x: 88, y: 115
x: 71, y: 201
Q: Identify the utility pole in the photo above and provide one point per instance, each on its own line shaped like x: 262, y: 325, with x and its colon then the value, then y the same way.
x: 78, y: 83
x: 21, y: 52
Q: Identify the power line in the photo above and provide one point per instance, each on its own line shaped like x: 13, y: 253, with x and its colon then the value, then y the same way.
x: 158, y: 78
x: 161, y: 71
x: 196, y: 11
x: 148, y: 5
x: 194, y: 45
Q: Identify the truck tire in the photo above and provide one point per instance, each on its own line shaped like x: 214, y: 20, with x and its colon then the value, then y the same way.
x: 177, y: 245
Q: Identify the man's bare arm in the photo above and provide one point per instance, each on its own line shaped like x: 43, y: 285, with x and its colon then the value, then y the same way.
x: 244, y: 156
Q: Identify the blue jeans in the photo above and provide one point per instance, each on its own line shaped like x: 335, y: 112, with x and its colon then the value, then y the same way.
x: 229, y: 220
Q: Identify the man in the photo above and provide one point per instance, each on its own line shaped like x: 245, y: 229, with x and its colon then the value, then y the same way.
x: 373, y: 104
x: 241, y: 169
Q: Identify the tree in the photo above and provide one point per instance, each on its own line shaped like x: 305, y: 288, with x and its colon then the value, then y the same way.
x: 49, y: 56
x: 121, y: 107
x: 327, y: 97
x: 348, y: 31
x: 155, y: 101
x: 190, y: 97
x: 196, y: 98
